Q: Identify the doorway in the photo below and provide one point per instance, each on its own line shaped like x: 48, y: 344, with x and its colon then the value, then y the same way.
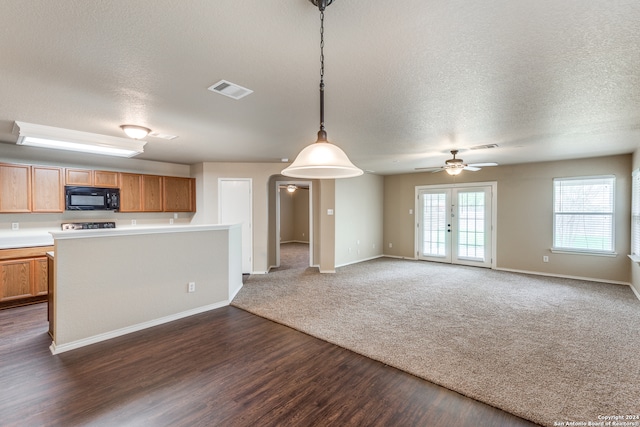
x: 294, y: 224
x: 456, y: 224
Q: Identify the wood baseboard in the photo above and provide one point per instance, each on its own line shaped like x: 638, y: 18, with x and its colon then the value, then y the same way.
x: 22, y: 301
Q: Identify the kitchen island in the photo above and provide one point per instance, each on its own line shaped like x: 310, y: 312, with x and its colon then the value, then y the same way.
x: 108, y: 283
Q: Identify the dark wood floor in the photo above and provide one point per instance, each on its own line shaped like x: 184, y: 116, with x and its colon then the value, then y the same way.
x: 222, y: 368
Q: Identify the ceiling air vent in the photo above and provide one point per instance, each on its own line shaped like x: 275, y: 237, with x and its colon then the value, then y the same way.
x: 163, y: 135
x: 229, y: 89
x: 483, y: 147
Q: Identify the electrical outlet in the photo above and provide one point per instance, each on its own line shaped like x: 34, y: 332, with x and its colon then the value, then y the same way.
x: 390, y: 245
x: 410, y: 211
x: 170, y: 220
x: 15, y: 226
x: 133, y: 222
x: 192, y: 287
x: 175, y: 216
x: 545, y: 258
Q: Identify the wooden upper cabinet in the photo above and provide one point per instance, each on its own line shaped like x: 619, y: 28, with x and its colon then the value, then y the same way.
x: 105, y: 179
x: 78, y: 177
x: 47, y: 193
x: 179, y: 194
x: 152, y: 193
x: 15, y: 188
x: 130, y: 192
x: 91, y: 178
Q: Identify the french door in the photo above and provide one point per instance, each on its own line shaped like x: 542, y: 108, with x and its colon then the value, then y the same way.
x: 455, y: 224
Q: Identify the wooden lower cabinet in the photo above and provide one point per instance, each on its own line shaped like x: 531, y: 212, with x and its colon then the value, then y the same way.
x: 15, y: 279
x: 23, y: 275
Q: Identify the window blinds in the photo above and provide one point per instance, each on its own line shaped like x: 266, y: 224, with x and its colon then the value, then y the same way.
x: 583, y: 214
x: 635, y: 212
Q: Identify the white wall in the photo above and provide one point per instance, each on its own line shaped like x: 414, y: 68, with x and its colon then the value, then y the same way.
x: 358, y: 215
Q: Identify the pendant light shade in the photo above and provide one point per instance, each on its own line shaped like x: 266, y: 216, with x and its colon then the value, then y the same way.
x: 322, y: 159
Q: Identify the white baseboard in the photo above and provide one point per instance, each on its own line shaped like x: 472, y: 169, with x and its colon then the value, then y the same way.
x: 57, y: 349
x: 400, y: 257
x: 231, y: 297
x: 635, y: 291
x: 564, y: 276
x: 360, y: 260
x: 327, y: 271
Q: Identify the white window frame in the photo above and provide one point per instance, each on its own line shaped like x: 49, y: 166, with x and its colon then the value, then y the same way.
x: 612, y: 252
x: 635, y: 216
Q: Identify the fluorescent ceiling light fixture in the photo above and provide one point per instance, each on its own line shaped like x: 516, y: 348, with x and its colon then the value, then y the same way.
x: 135, y: 132
x: 73, y: 140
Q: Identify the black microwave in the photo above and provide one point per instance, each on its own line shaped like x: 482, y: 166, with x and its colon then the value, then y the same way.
x: 91, y: 198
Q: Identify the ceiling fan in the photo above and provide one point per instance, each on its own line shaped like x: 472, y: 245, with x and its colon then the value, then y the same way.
x: 456, y: 166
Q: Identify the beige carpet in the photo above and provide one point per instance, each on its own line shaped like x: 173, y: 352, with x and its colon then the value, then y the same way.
x: 548, y: 350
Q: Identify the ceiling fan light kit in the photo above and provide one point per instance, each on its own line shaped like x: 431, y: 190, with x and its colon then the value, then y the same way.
x: 322, y: 159
x: 455, y: 166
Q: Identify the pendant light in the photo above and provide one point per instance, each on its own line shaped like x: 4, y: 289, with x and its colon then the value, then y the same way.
x: 322, y: 159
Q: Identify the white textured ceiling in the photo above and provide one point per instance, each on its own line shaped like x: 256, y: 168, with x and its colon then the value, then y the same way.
x: 406, y: 80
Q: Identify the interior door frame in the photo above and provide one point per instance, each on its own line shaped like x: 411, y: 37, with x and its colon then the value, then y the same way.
x: 494, y: 212
x: 285, y: 183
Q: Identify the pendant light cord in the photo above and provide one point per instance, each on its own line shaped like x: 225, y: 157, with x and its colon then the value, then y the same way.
x: 322, y: 134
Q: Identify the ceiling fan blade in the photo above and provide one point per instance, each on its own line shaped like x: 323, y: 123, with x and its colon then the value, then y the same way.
x: 436, y: 169
x: 482, y: 165
x: 471, y: 168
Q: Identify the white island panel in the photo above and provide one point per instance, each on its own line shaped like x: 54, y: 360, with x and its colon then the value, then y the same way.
x: 112, y: 282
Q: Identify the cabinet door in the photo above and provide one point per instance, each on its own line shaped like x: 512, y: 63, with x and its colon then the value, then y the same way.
x: 78, y: 177
x: 151, y: 193
x: 40, y: 276
x: 105, y: 179
x: 130, y: 192
x: 46, y: 193
x: 15, y: 279
x: 15, y: 188
x: 179, y: 194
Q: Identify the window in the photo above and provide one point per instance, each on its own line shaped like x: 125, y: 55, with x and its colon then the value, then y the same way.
x: 583, y: 210
x: 635, y: 213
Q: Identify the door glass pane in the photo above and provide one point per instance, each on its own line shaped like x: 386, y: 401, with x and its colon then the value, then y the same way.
x: 471, y: 225
x: 434, y: 220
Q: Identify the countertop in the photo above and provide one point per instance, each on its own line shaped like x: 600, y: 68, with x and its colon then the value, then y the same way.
x: 45, y: 236
x: 26, y: 238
